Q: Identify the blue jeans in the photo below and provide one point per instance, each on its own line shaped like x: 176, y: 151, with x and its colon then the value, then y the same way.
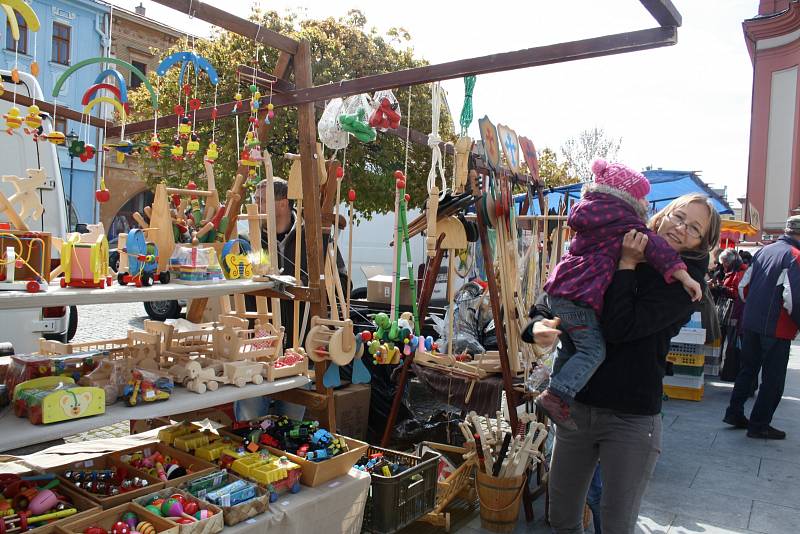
x: 582, y: 350
x: 770, y: 355
x: 593, y: 498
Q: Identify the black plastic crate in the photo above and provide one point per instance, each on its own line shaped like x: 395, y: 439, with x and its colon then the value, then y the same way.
x: 397, y: 501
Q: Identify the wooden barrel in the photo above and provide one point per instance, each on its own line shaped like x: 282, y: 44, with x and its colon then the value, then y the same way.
x: 500, y: 499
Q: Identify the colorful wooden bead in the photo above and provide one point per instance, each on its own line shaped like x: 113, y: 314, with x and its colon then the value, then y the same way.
x: 146, y: 528
x: 130, y: 519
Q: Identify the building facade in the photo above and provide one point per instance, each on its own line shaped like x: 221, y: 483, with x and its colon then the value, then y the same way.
x: 70, y: 31
x: 141, y: 42
x: 773, y: 178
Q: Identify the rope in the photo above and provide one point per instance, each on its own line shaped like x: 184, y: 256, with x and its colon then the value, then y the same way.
x: 434, y: 140
x: 466, y: 111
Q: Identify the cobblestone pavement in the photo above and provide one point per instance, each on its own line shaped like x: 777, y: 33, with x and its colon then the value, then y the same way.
x: 107, y: 321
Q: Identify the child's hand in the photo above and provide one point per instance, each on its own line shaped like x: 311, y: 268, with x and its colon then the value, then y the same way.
x: 546, y: 332
x: 693, y: 288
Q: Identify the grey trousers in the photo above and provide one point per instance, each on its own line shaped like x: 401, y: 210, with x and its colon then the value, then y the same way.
x: 627, y: 447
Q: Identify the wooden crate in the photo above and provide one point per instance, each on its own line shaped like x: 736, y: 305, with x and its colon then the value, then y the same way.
x: 107, y: 462
x: 317, y: 473
x: 212, y: 525
x: 107, y: 518
x: 194, y: 465
x: 84, y: 505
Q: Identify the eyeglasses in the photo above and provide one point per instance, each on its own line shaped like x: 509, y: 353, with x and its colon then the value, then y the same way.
x: 678, y: 218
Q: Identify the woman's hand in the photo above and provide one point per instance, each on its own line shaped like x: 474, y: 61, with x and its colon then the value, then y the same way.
x: 546, y: 332
x: 633, y: 245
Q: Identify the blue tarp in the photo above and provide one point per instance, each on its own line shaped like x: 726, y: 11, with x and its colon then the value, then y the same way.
x: 665, y: 186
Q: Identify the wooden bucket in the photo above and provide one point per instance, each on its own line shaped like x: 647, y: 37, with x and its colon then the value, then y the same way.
x: 500, y: 499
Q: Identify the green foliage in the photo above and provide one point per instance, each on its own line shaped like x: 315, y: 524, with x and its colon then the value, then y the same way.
x: 555, y: 174
x: 344, y: 48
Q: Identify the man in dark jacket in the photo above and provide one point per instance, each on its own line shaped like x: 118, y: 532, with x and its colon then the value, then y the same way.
x: 286, y: 233
x: 771, y: 290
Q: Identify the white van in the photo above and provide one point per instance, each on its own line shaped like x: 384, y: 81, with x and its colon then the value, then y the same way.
x: 18, y: 152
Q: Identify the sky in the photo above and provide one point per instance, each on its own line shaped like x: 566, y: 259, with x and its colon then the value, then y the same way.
x: 683, y: 107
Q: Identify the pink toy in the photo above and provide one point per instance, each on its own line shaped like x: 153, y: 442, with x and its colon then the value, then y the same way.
x: 42, y: 502
x: 120, y: 528
x: 172, y: 508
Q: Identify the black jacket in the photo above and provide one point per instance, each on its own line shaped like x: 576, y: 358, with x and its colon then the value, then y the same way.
x: 641, y: 314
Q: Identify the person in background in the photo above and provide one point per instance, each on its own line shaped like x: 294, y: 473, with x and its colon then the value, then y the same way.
x: 734, y: 269
x: 618, y: 413
x: 286, y: 233
x: 771, y: 291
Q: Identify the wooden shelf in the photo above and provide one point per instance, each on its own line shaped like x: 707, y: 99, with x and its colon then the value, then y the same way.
x: 58, y: 296
x: 16, y: 432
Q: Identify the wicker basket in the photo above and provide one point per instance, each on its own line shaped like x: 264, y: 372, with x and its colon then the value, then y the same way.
x: 233, y: 515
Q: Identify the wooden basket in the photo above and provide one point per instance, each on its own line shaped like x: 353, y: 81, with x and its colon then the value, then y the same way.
x: 107, y: 462
x: 84, y: 505
x: 212, y: 525
x: 194, y: 466
x: 317, y: 473
x: 107, y: 518
x: 233, y: 515
x: 500, y: 499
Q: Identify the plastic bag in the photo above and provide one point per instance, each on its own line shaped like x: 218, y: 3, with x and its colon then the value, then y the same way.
x: 386, y: 111
x: 472, y: 316
x: 330, y: 131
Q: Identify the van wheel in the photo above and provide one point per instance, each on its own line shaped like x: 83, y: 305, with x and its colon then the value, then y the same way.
x: 72, y: 325
x: 161, y: 310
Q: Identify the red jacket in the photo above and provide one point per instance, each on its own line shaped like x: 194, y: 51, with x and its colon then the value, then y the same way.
x: 730, y: 285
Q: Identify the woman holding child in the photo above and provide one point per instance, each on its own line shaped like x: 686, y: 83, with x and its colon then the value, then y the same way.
x: 613, y: 414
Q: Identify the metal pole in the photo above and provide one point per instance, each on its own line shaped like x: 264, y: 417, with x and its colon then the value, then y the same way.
x: 71, y: 180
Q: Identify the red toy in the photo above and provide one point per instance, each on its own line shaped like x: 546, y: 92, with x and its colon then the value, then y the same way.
x: 385, y: 116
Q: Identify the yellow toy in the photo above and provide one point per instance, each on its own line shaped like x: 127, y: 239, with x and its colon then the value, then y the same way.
x: 211, y: 153
x: 52, y: 399
x: 33, y: 121
x: 192, y: 146
x: 84, y: 259
x: 13, y: 120
x: 55, y: 137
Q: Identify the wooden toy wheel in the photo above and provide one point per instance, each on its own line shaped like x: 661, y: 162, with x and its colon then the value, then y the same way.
x: 314, y: 342
x: 63, y: 282
x: 240, y: 382
x: 197, y: 386
x: 337, y: 353
x: 32, y: 286
x: 213, y: 385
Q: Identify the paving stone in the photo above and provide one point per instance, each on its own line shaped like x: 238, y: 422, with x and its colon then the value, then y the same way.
x: 738, y: 485
x: 688, y: 525
x: 772, y: 518
x: 716, y: 508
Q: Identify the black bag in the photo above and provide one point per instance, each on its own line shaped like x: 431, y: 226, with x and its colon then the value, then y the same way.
x: 724, y: 311
x: 732, y: 359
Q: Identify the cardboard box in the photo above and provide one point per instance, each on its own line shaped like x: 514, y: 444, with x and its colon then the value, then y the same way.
x: 379, y: 289
x: 317, y: 473
x: 194, y: 466
x: 84, y: 505
x: 103, y: 463
x: 352, y: 410
x: 210, y: 525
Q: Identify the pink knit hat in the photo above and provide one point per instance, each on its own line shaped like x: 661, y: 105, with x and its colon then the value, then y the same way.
x: 621, y: 177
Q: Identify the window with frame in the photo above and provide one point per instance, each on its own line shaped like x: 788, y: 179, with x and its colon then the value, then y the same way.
x: 60, y: 125
x: 20, y: 46
x: 61, y: 43
x: 135, y: 80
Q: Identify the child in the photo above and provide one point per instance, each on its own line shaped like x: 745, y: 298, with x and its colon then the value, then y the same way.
x: 611, y: 206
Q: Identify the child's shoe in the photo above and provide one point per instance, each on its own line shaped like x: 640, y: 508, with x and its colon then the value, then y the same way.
x: 556, y: 409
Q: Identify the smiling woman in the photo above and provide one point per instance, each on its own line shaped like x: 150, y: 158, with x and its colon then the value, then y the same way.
x: 690, y: 225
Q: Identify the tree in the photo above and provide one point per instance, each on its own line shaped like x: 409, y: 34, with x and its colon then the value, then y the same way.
x: 580, y: 152
x: 553, y: 173
x: 343, y: 48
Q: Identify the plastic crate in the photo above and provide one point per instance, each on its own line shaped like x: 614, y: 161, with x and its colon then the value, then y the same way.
x: 685, y: 348
x: 397, y: 501
x: 694, y: 336
x: 691, y: 370
x: 712, y: 370
x: 685, y: 381
x: 676, y: 392
x: 696, y: 360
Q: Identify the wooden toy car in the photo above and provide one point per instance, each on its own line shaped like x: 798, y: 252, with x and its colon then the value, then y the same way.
x: 141, y: 259
x: 84, y: 259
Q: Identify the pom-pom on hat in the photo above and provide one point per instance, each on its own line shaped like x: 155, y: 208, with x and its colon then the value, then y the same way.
x: 621, y: 177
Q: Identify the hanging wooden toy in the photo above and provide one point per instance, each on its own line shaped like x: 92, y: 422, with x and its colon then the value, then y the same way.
x: 14, y: 118
x: 510, y: 145
x: 333, y: 341
x: 188, y: 103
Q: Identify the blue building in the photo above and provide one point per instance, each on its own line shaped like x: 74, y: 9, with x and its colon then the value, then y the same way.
x: 70, y: 31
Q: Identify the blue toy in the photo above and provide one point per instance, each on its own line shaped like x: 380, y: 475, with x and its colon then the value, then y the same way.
x: 142, y: 262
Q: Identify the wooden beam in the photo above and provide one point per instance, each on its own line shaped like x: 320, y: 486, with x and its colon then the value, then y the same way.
x: 665, y: 13
x: 62, y: 111
x: 232, y: 23
x: 532, y: 57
